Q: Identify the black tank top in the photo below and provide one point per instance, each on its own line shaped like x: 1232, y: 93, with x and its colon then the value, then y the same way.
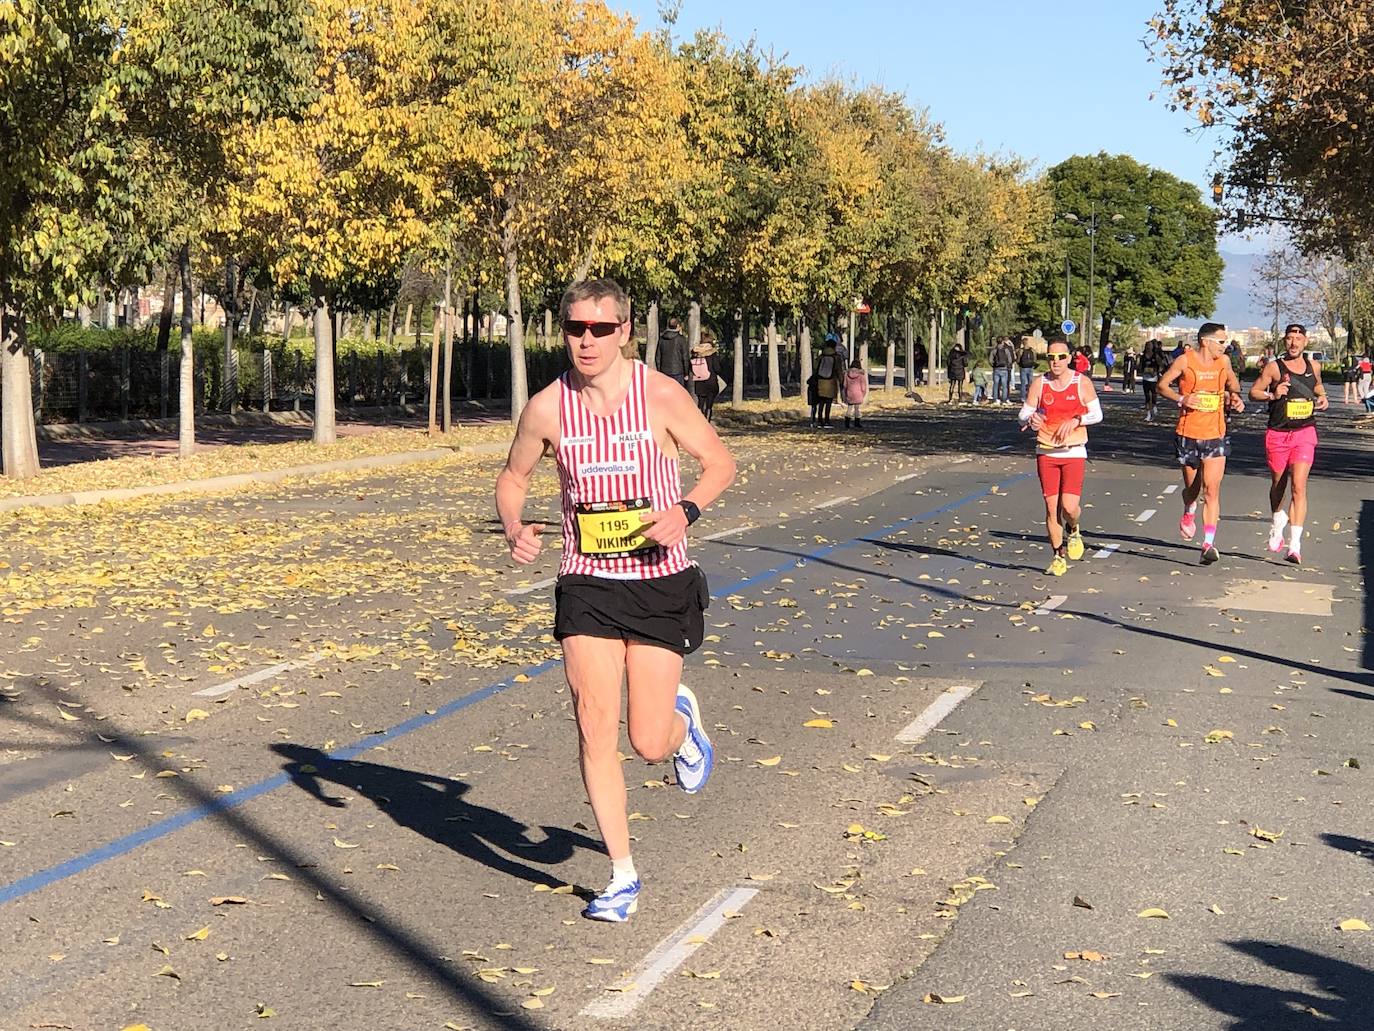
x: 1297, y: 409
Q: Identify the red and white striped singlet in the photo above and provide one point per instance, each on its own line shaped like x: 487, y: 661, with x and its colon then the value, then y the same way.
x: 609, y: 460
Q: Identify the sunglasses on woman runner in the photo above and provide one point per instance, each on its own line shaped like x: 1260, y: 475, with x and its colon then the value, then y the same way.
x: 575, y: 328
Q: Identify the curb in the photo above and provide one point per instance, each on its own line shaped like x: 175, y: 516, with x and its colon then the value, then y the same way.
x: 233, y: 482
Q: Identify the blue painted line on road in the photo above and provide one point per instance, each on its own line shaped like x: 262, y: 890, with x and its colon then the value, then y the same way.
x: 122, y: 846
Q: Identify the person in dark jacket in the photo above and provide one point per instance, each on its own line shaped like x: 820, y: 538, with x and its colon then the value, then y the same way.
x: 956, y: 365
x: 922, y: 360
x: 1025, y: 363
x: 674, y: 354
x: 1002, y: 358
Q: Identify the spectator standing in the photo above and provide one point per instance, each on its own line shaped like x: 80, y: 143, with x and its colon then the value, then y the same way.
x: 1082, y: 364
x: 1109, y: 360
x: 956, y: 367
x: 855, y: 393
x: 1129, y: 362
x: 705, y: 370
x: 1351, y: 376
x: 829, y: 374
x: 1153, y: 362
x: 1002, y: 359
x: 982, y: 383
x: 674, y: 354
x: 1025, y: 362
x: 922, y: 360
x: 1366, y: 373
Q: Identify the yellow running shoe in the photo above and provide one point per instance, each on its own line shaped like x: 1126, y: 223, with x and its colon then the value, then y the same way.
x: 1075, y: 543
x: 1058, y: 566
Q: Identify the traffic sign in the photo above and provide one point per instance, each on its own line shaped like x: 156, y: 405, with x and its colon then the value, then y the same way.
x: 1067, y: 327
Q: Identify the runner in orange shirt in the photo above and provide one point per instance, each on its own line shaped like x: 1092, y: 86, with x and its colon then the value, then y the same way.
x: 1206, y: 389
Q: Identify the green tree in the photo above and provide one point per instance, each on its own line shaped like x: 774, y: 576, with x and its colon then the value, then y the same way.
x: 1153, y: 255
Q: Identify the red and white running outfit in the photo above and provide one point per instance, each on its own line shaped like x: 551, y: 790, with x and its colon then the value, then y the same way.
x: 609, y: 463
x: 1061, y: 467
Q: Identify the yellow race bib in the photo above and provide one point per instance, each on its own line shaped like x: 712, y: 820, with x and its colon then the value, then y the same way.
x: 1299, y: 408
x: 612, y: 529
x: 1206, y: 402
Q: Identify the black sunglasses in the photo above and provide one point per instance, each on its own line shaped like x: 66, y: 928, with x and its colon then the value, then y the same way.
x: 575, y: 328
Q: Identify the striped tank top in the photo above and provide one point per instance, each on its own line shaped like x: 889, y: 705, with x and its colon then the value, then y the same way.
x: 612, y: 472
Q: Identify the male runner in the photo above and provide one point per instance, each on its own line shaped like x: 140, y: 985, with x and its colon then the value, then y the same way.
x: 1207, y: 387
x: 629, y: 603
x: 1292, y: 384
x: 1060, y: 406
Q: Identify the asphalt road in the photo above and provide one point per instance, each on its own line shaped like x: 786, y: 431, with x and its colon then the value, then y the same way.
x: 303, y: 755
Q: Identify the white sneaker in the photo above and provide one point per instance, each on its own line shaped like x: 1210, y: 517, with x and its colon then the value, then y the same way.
x: 1276, y: 535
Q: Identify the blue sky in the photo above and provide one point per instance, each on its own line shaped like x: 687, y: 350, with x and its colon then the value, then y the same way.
x: 1044, y: 81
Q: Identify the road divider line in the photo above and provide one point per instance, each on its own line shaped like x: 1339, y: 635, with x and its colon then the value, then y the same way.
x: 907, y: 476
x: 1145, y: 516
x: 1171, y: 488
x: 1106, y: 552
x: 259, y: 676
x: 625, y: 996
x: 530, y: 588
x: 1051, y: 603
x: 726, y: 533
x: 832, y: 501
x: 936, y: 711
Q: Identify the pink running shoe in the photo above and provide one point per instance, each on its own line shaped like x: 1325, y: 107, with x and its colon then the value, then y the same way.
x: 1187, y: 526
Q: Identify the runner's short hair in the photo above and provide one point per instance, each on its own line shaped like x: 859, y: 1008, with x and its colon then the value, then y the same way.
x: 595, y: 290
x: 1211, y: 329
x: 1056, y: 338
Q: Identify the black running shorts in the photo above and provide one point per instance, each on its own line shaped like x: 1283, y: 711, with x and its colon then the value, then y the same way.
x: 667, y: 611
x: 1193, y: 452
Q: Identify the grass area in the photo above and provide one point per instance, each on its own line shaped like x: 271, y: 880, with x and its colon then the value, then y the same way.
x: 244, y: 458
x: 234, y: 459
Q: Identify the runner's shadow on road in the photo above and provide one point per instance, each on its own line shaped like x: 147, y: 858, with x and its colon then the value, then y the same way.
x: 1337, y: 999
x: 1355, y: 846
x: 435, y: 807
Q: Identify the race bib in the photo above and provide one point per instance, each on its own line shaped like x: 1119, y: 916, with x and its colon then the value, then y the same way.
x: 1206, y: 402
x: 612, y: 529
x: 1299, y: 408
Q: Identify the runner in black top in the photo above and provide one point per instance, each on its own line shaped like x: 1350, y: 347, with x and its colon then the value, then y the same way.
x: 1292, y: 384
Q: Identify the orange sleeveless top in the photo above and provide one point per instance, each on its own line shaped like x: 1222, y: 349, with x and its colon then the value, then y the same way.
x: 1208, y: 380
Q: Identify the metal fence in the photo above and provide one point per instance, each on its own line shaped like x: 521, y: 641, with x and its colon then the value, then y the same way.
x: 96, y: 385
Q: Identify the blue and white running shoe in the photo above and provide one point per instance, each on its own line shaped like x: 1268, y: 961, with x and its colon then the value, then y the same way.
x: 614, y: 905
x: 694, y: 759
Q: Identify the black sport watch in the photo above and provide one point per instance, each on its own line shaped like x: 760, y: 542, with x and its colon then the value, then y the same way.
x: 690, y: 508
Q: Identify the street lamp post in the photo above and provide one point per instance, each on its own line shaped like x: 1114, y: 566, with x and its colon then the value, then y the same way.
x: 1090, y: 227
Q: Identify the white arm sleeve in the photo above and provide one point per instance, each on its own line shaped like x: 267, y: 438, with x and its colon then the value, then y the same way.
x: 1024, y: 415
x: 1093, y: 415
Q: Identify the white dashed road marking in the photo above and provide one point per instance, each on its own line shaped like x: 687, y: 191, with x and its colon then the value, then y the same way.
x: 833, y: 501
x: 1051, y: 603
x: 624, y: 996
x: 1145, y: 516
x: 259, y: 676
x: 531, y: 587
x: 1171, y: 488
x: 726, y: 533
x: 1106, y: 552
x: 935, y: 712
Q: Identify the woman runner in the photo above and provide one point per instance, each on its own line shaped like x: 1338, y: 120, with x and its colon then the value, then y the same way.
x: 1060, y: 406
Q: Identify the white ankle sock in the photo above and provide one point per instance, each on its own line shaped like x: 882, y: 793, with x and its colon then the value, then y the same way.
x: 1280, y: 520
x: 623, y: 871
x: 1295, y: 541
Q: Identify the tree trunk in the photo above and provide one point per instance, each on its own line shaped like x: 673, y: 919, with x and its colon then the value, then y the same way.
x: 804, y: 360
x: 741, y: 335
x: 186, y: 376
x: 164, y: 336
x: 391, y: 327
x: 287, y: 315
x: 933, y: 348
x: 18, y: 436
x: 448, y: 350
x: 406, y: 331
x: 515, y: 328
x: 651, y: 335
x: 434, y: 385
x: 548, y: 327
x: 890, y: 376
x: 324, y: 373
x: 910, y: 354
x: 694, y: 324
x: 229, y: 386
x: 774, y: 372
x: 1106, y: 334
